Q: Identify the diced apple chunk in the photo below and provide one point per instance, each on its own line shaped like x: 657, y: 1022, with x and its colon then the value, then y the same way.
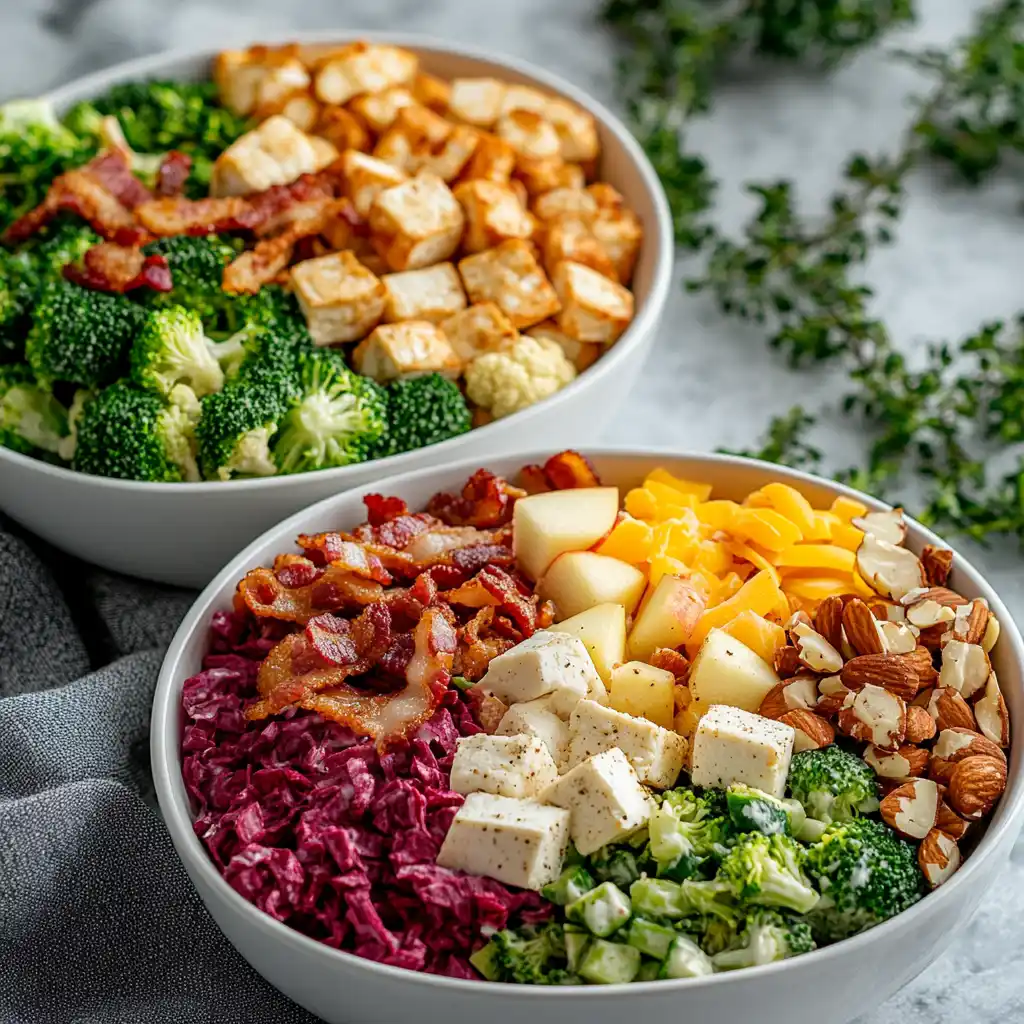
x: 644, y: 691
x: 603, y: 632
x: 667, y: 617
x: 579, y: 580
x: 728, y: 672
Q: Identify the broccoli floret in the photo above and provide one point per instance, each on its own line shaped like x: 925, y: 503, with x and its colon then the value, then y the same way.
x: 832, y: 784
x: 684, y: 831
x: 530, y: 956
x: 338, y: 419
x: 172, y: 349
x: 80, y: 335
x: 768, y: 871
x: 134, y: 434
x: 767, y: 936
x: 617, y: 864
x: 423, y: 411
x: 753, y: 810
x: 32, y: 421
x: 866, y: 874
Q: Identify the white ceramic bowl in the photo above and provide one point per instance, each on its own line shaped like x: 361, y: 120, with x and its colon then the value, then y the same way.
x: 829, y: 986
x: 183, y: 533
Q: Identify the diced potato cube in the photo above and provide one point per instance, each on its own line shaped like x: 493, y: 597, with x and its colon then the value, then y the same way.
x: 580, y: 353
x: 379, y: 109
x: 341, y: 299
x: 594, y: 308
x: 431, y: 92
x: 365, y: 177
x: 477, y: 101
x: 493, y: 214
x: 643, y: 691
x: 541, y: 176
x: 620, y: 234
x: 575, y: 203
x: 432, y: 293
x: 571, y: 239
x: 529, y: 134
x: 343, y: 128
x: 510, y: 276
x: 479, y: 328
x: 577, y: 130
x: 416, y: 223
x: 409, y: 349
x: 493, y: 159
x: 364, y: 67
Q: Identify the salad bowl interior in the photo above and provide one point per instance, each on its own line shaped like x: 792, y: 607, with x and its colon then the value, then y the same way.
x: 831, y: 985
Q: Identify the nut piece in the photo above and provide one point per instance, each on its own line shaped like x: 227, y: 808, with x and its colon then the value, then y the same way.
x: 892, y: 571
x: 787, y: 662
x: 970, y: 621
x: 965, y: 668
x: 832, y: 697
x: 943, y: 595
x: 890, y: 671
x: 815, y: 651
x: 912, y: 809
x: 953, y: 745
x: 950, y: 710
x: 937, y: 562
x: 928, y: 612
x: 798, y: 693
x: 991, y: 714
x: 921, y: 726
x: 950, y: 822
x: 975, y: 786
x: 812, y: 731
x: 875, y: 716
x: 905, y: 763
x: 887, y: 611
x: 828, y: 620
x: 898, y: 637
x: 861, y: 628
x: 939, y: 857
x: 888, y: 526
x: 988, y: 641
x: 920, y: 662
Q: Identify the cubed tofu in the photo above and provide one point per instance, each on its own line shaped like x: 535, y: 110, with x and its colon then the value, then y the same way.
x: 304, y: 112
x: 417, y: 223
x: 524, y: 97
x: 593, y: 308
x: 572, y: 239
x: 515, y: 842
x: 419, y: 140
x: 540, y: 176
x: 543, y: 664
x: 493, y: 159
x: 364, y: 67
x: 379, y: 109
x: 433, y: 293
x: 493, y: 214
x: 281, y: 81
x: 732, y: 745
x: 520, y: 766
x: 620, y: 233
x: 431, y: 91
x: 409, y: 349
x: 365, y: 177
x: 605, y: 799
x: 510, y: 276
x: 344, y: 130
x: 476, y: 101
x: 656, y: 754
x: 341, y: 299
x: 275, y: 153
x: 237, y: 77
x: 574, y: 203
x: 535, y: 718
x: 577, y: 130
x: 479, y: 328
x: 580, y: 353
x: 258, y: 77
x: 529, y: 134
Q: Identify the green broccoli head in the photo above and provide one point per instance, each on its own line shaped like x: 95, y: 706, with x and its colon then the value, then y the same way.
x: 768, y: 871
x: 533, y: 955
x: 172, y: 349
x: 767, y: 936
x: 832, y: 784
x: 753, y: 810
x: 133, y: 434
x: 337, y: 420
x: 866, y: 875
x: 32, y: 421
x: 423, y: 411
x: 685, y: 829
x: 617, y: 864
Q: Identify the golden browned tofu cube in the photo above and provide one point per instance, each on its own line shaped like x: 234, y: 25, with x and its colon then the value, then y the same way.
x: 364, y: 67
x: 303, y: 111
x: 477, y: 101
x: 432, y: 293
x: 571, y: 239
x: 421, y: 140
x: 493, y: 214
x: 524, y: 97
x: 544, y: 175
x: 577, y: 130
x: 343, y: 128
x: 258, y: 78
x: 365, y: 177
x: 416, y: 223
x: 510, y: 276
x: 379, y: 109
x: 479, y: 328
x: 341, y: 299
x: 594, y: 308
x: 565, y: 202
x: 409, y: 349
x: 529, y: 134
x: 275, y: 153
x: 431, y: 91
x: 580, y: 353
x: 620, y: 234
x: 493, y: 159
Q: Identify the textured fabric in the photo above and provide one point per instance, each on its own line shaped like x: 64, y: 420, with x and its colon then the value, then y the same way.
x: 99, y: 923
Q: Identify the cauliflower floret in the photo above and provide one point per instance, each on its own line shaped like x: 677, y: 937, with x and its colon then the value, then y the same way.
x: 505, y: 382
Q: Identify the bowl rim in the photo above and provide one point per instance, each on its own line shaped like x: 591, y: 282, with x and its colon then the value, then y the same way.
x: 165, y: 748
x: 658, y: 236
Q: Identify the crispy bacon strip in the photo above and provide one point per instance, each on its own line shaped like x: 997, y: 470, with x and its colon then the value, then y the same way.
x: 478, y: 646
x: 296, y: 570
x: 334, y: 549
x: 109, y: 267
x: 380, y: 510
x: 533, y: 480
x: 173, y: 173
x: 177, y: 216
x: 113, y: 171
x: 570, y: 469
x: 248, y: 272
x: 486, y: 500
x: 266, y: 596
x: 513, y: 602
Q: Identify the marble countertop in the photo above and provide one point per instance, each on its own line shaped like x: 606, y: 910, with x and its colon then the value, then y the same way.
x: 709, y: 382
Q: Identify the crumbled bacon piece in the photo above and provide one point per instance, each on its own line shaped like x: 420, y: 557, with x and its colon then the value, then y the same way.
x: 296, y: 571
x: 173, y: 173
x: 487, y: 709
x: 178, y: 216
x: 266, y: 596
x: 478, y: 645
x: 532, y: 479
x: 520, y: 608
x: 380, y: 510
x: 473, y: 558
x: 113, y: 171
x: 109, y: 267
x: 570, y: 469
x: 334, y: 549
x: 486, y: 500
x: 248, y: 272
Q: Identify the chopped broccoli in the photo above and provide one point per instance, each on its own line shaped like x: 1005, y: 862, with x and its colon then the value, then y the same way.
x: 423, y: 411
x: 172, y: 349
x: 684, y: 831
x: 832, y: 784
x: 32, y: 421
x: 753, y: 810
x: 531, y: 956
x: 767, y: 936
x: 617, y: 864
x: 570, y: 885
x: 866, y: 874
x: 133, y: 434
x: 768, y: 871
x: 337, y: 420
x: 81, y: 336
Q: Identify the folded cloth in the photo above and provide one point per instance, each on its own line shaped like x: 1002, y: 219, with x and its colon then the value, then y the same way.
x: 99, y: 924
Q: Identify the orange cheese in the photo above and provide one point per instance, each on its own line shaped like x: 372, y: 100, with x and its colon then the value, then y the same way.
x: 828, y: 557
x: 629, y: 541
x: 760, y: 594
x: 764, y: 638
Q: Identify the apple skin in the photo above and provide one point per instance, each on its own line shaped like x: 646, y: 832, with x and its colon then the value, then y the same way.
x: 666, y: 618
x: 579, y: 580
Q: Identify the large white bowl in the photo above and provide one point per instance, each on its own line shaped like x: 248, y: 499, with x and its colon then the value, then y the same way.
x: 829, y: 986
x: 183, y: 533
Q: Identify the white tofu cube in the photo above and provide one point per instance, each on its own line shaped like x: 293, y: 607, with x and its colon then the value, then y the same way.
x: 535, y: 718
x: 529, y: 134
x: 540, y: 176
x: 304, y: 112
x: 479, y: 328
x: 524, y: 97
x: 606, y: 801
x: 409, y: 349
x: 620, y: 234
x: 275, y: 153
x: 364, y: 67
x: 476, y: 101
x: 237, y: 77
x: 379, y: 109
x: 580, y: 353
x: 433, y: 293
x: 575, y: 203
x: 577, y: 130
x: 656, y: 754
x: 419, y: 140
x: 733, y: 745
x: 520, y: 766
x: 416, y: 223
x: 542, y: 664
x: 593, y: 308
x: 365, y: 177
x: 494, y: 214
x: 493, y: 159
x: 341, y: 299
x: 258, y: 77
x: 510, y: 276
x: 571, y: 239
x: 281, y: 80
x: 515, y: 842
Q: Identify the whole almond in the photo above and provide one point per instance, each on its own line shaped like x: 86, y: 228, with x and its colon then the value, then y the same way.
x: 812, y: 731
x: 941, y: 595
x: 950, y: 710
x: 787, y: 662
x: 920, y: 662
x: 890, y: 671
x: 774, y: 704
x: 940, y: 770
x: 937, y: 562
x: 912, y: 808
x: 828, y: 620
x: 975, y: 786
x: 921, y: 726
x: 938, y: 856
x: 950, y: 822
x: 956, y: 744
x: 861, y: 629
x: 977, y: 622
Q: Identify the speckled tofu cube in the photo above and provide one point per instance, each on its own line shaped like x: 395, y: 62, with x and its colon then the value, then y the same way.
x: 379, y: 109
x: 574, y: 203
x: 580, y: 353
x: 417, y: 223
x: 275, y: 153
x: 409, y: 349
x: 539, y: 176
x: 493, y: 214
x: 529, y: 134
x: 510, y: 276
x: 341, y: 299
x: 569, y: 238
x: 542, y: 664
x: 433, y: 293
x: 479, y: 328
x: 477, y: 101
x: 535, y: 718
x: 365, y: 177
x: 517, y: 766
x: 493, y: 159
x: 593, y: 308
x: 364, y: 67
